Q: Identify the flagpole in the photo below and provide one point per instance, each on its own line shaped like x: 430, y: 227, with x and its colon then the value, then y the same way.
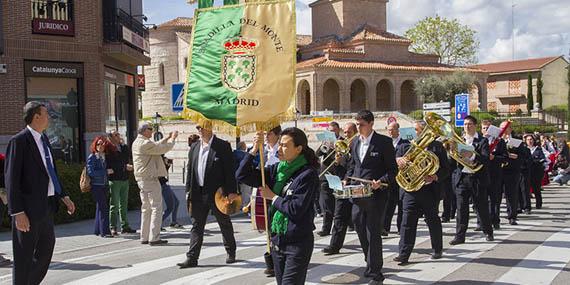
x: 262, y: 169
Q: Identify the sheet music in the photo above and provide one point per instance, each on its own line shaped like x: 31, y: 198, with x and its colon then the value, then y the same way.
x: 334, y: 182
x: 514, y: 142
x: 493, y: 131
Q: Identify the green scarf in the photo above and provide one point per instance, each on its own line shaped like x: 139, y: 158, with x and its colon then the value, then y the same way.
x: 284, y: 171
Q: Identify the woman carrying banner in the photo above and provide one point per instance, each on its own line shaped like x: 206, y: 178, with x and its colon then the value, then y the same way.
x: 291, y: 187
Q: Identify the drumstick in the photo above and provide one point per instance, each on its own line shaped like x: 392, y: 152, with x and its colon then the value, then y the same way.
x: 366, y: 181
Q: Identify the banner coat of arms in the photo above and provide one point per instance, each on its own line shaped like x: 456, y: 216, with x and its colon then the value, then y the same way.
x: 241, y: 71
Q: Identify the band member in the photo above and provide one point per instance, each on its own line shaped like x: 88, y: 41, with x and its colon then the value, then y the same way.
x: 472, y: 185
x: 524, y: 180
x: 449, y: 198
x: 326, y: 198
x: 511, y: 173
x: 397, y: 142
x: 343, y: 207
x: 291, y: 187
x: 372, y: 158
x: 538, y: 166
x: 210, y: 167
x: 424, y: 200
x: 497, y: 157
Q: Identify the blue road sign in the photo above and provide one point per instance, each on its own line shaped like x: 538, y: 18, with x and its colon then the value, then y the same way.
x: 177, y: 95
x: 461, y: 108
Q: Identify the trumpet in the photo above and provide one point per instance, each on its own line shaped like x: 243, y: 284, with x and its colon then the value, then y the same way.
x: 341, y: 147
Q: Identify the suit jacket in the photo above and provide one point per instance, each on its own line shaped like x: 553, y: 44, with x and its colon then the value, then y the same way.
x: 27, y: 178
x: 500, y: 157
x: 220, y: 171
x: 481, y: 145
x: 379, y: 162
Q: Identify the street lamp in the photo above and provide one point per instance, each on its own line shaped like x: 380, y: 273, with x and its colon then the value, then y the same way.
x: 156, y: 120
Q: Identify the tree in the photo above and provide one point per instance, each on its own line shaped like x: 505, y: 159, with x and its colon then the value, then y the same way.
x: 434, y: 88
x: 455, y: 44
x: 539, y: 85
x: 529, y: 101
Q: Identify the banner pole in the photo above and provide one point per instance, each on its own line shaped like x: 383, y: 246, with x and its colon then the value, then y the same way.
x: 265, y: 216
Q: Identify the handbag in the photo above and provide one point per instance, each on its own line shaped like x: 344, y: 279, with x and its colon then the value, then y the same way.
x: 85, y: 181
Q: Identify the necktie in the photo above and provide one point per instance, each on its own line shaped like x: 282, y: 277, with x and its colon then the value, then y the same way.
x: 50, y: 168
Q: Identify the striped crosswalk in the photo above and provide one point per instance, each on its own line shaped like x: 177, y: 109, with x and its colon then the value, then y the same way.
x: 537, y: 251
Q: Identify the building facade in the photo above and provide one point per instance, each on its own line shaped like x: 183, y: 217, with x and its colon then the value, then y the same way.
x: 78, y: 57
x: 354, y: 63
x: 508, y: 83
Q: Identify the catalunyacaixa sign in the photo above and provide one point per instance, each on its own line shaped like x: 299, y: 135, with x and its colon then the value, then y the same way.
x: 53, y: 27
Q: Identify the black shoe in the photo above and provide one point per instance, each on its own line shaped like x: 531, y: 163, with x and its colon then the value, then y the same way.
x: 231, y: 258
x: 456, y: 241
x: 384, y: 233
x: 401, y: 260
x: 376, y: 282
x: 351, y: 229
x: 114, y: 231
x: 188, y: 263
x: 108, y: 236
x: 270, y: 272
x: 538, y: 207
x: 5, y: 262
x: 496, y: 226
x: 128, y: 231
x: 478, y: 229
x: 330, y: 251
x: 527, y: 211
x: 144, y: 242
x: 519, y: 211
x: 513, y: 222
x: 445, y: 220
x: 158, y: 242
x: 323, y: 233
x: 490, y: 237
x: 436, y: 255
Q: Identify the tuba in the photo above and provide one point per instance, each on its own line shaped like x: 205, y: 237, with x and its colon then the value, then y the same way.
x: 450, y: 140
x: 341, y: 147
x: 420, y: 161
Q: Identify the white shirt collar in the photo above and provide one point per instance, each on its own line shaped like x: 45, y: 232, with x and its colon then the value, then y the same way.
x: 35, y: 134
x: 209, y: 142
x: 367, y: 139
x: 395, y: 141
x: 476, y: 136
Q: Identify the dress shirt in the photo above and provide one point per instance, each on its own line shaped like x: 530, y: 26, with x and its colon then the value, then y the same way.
x: 272, y: 157
x: 469, y: 141
x: 364, y: 144
x: 39, y: 144
x: 203, y: 160
x: 395, y: 141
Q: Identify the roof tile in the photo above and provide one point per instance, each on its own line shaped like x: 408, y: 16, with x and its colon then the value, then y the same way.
x: 517, y: 65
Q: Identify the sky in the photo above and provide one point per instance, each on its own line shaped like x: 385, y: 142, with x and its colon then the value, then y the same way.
x: 541, y: 27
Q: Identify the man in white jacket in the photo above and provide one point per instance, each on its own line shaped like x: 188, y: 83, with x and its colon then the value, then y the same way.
x: 148, y: 166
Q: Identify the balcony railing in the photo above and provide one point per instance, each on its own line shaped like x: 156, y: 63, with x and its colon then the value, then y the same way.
x: 113, y: 22
x: 61, y: 10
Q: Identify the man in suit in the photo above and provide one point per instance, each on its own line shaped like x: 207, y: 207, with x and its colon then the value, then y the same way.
x: 343, y: 207
x: 372, y: 158
x: 471, y: 184
x: 511, y: 173
x: 497, y: 157
x: 211, y: 166
x: 33, y: 202
x: 423, y: 201
x: 397, y: 142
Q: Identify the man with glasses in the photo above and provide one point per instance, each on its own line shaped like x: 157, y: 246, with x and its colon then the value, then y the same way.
x: 148, y: 167
x: 119, y: 161
x: 471, y: 184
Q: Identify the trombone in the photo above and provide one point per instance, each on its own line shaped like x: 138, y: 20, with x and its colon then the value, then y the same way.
x: 341, y: 147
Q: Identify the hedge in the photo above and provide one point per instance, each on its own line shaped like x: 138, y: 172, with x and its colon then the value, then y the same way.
x: 69, y: 175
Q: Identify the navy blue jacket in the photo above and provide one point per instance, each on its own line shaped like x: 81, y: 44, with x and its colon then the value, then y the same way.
x: 481, y: 145
x: 97, y: 170
x: 296, y: 204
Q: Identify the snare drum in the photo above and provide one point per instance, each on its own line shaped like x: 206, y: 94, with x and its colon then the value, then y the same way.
x: 257, y: 213
x: 353, y: 191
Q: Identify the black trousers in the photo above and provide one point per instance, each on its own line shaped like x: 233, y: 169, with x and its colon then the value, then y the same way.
x: 391, y: 207
x: 424, y: 200
x: 326, y: 201
x: 468, y: 187
x: 449, y: 200
x: 524, y: 198
x: 291, y: 261
x: 367, y: 215
x: 342, y: 219
x: 33, y: 250
x: 511, y: 189
x: 536, y: 184
x: 495, y: 193
x: 400, y: 209
x: 200, y: 210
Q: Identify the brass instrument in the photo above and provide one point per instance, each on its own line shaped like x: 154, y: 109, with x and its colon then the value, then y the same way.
x: 450, y: 139
x: 341, y: 147
x: 421, y: 162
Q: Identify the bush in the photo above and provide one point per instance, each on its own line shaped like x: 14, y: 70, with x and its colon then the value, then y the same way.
x: 417, y: 114
x: 543, y: 129
x: 84, y: 204
x: 557, y: 108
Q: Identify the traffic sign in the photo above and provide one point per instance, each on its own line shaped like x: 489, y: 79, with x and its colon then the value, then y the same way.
x: 177, y: 96
x: 441, y: 108
x: 461, y: 108
x: 390, y: 120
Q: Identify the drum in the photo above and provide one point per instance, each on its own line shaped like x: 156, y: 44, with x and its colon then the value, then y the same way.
x: 353, y: 192
x: 257, y: 213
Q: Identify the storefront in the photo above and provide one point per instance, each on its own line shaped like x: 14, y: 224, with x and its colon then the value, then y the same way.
x: 59, y: 85
x: 121, y: 103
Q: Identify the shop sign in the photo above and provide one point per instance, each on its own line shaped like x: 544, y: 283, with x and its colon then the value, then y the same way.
x: 53, y: 27
x: 135, y: 39
x: 119, y: 77
x: 53, y: 69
